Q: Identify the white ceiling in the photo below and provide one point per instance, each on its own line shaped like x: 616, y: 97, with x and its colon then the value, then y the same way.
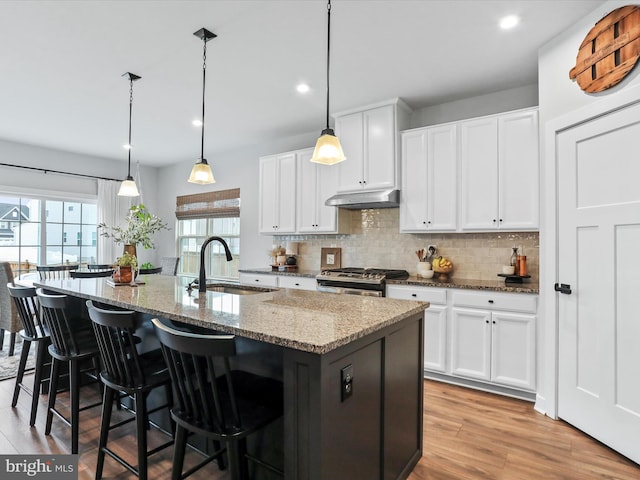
x: 62, y: 61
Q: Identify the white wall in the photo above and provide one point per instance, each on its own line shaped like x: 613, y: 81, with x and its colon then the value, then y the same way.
x: 503, y: 101
x: 18, y: 180
x: 236, y: 169
x: 560, y: 98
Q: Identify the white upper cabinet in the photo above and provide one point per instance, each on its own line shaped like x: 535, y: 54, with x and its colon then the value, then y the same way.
x: 518, y: 174
x: 499, y: 172
x: 429, y: 179
x: 369, y: 140
x: 278, y: 194
x: 316, y: 183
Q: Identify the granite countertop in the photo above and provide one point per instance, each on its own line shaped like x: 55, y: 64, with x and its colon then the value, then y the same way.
x: 491, y: 285
x: 304, y: 320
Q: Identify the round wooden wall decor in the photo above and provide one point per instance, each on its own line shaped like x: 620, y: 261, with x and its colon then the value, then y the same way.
x: 609, y: 51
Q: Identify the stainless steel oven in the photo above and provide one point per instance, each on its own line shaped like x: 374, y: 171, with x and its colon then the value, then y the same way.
x: 357, y: 281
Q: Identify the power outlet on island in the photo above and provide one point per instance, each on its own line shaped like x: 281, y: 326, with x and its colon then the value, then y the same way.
x: 346, y: 382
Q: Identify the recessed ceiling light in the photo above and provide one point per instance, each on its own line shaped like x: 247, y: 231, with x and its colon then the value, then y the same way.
x: 509, y: 21
x: 197, y: 123
x: 302, y: 88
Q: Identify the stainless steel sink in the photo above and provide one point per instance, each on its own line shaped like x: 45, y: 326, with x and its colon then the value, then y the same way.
x: 237, y: 289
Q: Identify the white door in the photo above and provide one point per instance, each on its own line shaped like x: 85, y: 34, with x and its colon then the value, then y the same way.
x: 379, y: 148
x: 307, y: 194
x: 435, y: 338
x: 518, y: 171
x: 349, y: 130
x: 471, y: 343
x: 442, y: 191
x: 513, y: 349
x: 479, y: 174
x: 268, y: 194
x: 599, y: 257
x: 413, y: 205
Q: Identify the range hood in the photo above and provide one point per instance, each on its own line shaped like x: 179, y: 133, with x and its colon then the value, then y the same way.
x: 361, y: 200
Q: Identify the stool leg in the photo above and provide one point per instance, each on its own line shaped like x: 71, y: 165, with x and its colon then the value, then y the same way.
x: 12, y: 343
x: 237, y: 461
x: 53, y: 392
x: 141, y: 432
x: 37, y: 380
x: 74, y: 390
x: 26, y: 346
x: 107, y: 406
x: 179, y: 447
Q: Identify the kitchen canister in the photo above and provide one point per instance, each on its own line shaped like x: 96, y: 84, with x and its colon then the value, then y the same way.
x: 424, y: 270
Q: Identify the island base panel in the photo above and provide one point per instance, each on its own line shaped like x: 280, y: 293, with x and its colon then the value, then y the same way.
x: 376, y: 433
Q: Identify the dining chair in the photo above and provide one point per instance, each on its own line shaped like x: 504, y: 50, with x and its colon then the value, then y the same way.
x: 169, y: 265
x: 125, y: 370
x: 91, y: 273
x: 9, y: 318
x: 55, y: 272
x: 73, y: 343
x: 215, y: 402
x: 26, y: 303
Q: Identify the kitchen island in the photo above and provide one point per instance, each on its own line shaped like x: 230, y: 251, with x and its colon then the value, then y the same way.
x: 351, y: 366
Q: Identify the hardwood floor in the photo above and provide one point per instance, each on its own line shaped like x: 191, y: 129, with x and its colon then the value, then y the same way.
x: 467, y: 435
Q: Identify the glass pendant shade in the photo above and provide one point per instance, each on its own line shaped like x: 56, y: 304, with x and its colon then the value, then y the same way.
x: 201, y: 173
x: 328, y: 150
x: 128, y: 188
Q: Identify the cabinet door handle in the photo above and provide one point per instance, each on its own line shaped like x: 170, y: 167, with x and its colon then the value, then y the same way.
x: 490, y: 301
x: 297, y: 284
x: 414, y: 295
x: 494, y: 220
x: 494, y: 322
x: 500, y: 220
x: 486, y: 321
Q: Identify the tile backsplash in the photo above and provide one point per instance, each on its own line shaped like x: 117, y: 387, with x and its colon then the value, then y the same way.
x: 375, y: 241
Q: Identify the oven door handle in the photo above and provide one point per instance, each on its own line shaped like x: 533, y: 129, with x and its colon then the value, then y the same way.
x: 349, y: 291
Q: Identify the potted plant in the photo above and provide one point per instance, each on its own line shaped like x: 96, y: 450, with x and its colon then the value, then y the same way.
x: 125, y: 265
x: 138, y: 229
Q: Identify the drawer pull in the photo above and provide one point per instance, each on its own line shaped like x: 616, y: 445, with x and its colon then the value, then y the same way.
x: 490, y: 301
x: 414, y: 295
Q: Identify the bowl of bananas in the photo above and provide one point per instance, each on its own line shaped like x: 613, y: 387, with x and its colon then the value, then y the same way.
x: 443, y: 267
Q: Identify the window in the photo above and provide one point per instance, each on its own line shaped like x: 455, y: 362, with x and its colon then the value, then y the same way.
x: 47, y: 232
x: 204, y: 215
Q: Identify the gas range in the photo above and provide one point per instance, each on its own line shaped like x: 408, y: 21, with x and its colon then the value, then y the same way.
x: 359, y: 281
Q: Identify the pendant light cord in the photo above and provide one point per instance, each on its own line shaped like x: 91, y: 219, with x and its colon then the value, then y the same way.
x: 204, y: 77
x: 328, y: 54
x: 130, y: 112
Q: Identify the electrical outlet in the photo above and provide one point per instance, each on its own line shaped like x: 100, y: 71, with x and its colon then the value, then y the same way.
x: 346, y: 382
x: 432, y: 250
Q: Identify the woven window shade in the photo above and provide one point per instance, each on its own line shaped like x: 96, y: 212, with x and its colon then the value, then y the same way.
x: 220, y: 204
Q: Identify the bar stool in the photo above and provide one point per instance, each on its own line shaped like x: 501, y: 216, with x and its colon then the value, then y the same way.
x: 26, y: 303
x: 228, y: 409
x: 72, y: 343
x: 124, y: 370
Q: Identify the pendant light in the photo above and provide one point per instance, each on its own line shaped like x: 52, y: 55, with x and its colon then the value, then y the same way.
x: 201, y: 172
x: 128, y: 187
x: 328, y: 150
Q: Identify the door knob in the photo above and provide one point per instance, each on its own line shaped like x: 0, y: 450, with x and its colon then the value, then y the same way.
x: 563, y: 288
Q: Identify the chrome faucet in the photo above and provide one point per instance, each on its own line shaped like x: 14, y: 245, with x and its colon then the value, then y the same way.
x: 202, y: 278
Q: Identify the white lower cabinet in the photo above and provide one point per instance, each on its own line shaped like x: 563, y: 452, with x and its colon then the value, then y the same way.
x: 263, y: 280
x: 488, y: 337
x: 493, y: 345
x: 280, y: 281
x: 435, y: 322
x: 299, y: 283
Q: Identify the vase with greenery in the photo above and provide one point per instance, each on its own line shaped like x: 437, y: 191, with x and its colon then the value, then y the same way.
x: 138, y: 229
x: 126, y: 266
